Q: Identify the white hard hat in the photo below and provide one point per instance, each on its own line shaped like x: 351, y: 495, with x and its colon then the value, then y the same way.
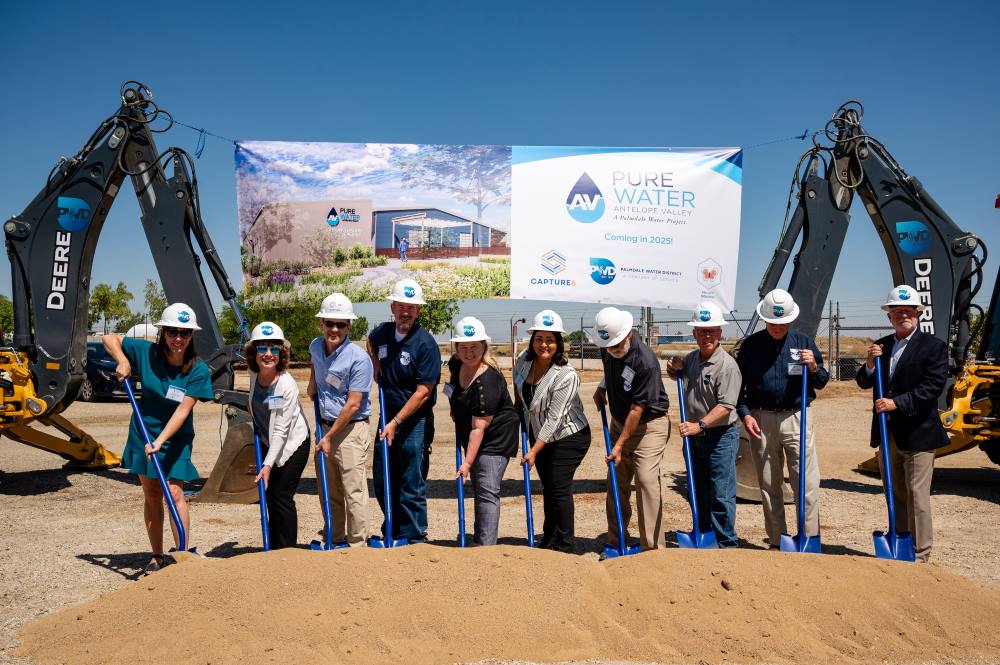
x: 470, y: 329
x: 778, y: 307
x: 266, y: 330
x: 407, y: 291
x: 547, y: 320
x: 142, y: 331
x: 611, y: 326
x: 903, y: 295
x: 178, y: 315
x: 707, y: 315
x: 336, y: 306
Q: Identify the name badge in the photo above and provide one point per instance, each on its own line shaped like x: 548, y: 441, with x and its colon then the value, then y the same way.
x: 175, y: 394
x: 275, y: 402
x: 794, y: 369
x: 448, y: 390
x: 334, y: 380
x: 628, y: 374
x: 383, y: 351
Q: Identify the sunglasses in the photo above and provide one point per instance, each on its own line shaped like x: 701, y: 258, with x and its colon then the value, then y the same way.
x: 263, y: 349
x: 336, y: 325
x: 183, y: 333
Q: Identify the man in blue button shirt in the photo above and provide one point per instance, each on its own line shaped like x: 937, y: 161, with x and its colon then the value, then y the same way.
x: 772, y: 362
x: 341, y: 373
x: 408, y: 364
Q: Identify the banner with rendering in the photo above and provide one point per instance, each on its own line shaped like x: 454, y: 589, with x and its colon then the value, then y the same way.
x: 632, y: 226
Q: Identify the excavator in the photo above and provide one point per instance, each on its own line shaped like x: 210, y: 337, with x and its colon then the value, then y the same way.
x: 924, y: 248
x: 51, y: 249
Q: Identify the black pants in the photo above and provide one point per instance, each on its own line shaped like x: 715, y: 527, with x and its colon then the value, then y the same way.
x: 556, y: 464
x: 282, y: 518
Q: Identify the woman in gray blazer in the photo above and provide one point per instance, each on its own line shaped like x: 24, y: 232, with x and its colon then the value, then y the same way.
x: 546, y: 389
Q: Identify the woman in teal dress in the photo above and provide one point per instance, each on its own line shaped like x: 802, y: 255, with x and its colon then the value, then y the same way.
x: 173, y: 379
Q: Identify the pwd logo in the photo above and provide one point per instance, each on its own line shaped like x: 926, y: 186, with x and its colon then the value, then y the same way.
x: 409, y: 291
x: 778, y: 310
x: 184, y: 316
x: 266, y: 330
x: 602, y: 270
x: 548, y: 320
x: 74, y: 214
x: 904, y: 294
x: 913, y: 237
x: 332, y: 218
x: 704, y: 315
x: 585, y: 202
x: 553, y: 262
x: 468, y: 330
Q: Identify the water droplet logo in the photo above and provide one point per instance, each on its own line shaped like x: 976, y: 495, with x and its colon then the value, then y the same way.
x: 704, y: 315
x: 602, y: 270
x: 585, y: 202
x: 74, y: 214
x: 332, y: 218
x: 266, y: 330
x: 409, y: 291
x: 184, y: 316
x: 548, y: 320
x: 913, y: 237
x: 778, y: 310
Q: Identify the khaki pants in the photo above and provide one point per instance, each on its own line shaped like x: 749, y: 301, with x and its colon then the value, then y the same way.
x: 347, y: 483
x: 640, y: 458
x: 911, y: 489
x: 780, y: 442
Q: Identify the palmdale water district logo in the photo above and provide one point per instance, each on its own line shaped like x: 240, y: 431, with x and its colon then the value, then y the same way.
x: 585, y: 202
x: 74, y: 214
x: 602, y: 270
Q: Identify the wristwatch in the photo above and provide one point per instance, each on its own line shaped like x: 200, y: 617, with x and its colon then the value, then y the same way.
x: 702, y: 425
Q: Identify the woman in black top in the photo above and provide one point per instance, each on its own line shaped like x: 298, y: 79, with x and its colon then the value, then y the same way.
x: 485, y: 422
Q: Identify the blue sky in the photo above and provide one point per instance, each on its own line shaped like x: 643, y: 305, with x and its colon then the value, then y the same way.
x: 531, y: 73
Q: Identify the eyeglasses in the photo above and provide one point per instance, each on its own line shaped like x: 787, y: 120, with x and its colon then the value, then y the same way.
x: 265, y: 348
x: 336, y: 325
x: 183, y: 333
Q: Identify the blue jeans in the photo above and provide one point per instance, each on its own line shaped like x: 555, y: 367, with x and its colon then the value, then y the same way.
x: 714, y: 458
x: 407, y: 482
x: 486, y: 475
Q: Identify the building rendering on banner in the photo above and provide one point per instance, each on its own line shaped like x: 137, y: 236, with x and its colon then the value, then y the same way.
x: 280, y: 229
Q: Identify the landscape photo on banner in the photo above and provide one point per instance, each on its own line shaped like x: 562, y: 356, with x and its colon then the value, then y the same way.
x: 658, y: 227
x: 316, y: 218
x: 632, y: 226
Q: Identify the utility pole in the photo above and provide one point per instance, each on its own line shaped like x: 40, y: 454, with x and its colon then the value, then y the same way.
x: 829, y: 334
x: 838, y: 340
x: 583, y: 341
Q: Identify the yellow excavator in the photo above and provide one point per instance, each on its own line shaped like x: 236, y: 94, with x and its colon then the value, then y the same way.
x: 924, y: 248
x: 51, y: 249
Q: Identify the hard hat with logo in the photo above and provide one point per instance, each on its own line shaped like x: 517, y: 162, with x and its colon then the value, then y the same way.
x: 470, y: 329
x: 611, y: 326
x: 178, y: 315
x: 407, y: 291
x: 267, y: 331
x: 336, y: 306
x: 547, y: 320
x: 778, y: 307
x: 903, y: 296
x: 707, y: 315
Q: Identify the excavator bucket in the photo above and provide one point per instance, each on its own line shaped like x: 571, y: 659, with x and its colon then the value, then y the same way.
x: 231, y: 480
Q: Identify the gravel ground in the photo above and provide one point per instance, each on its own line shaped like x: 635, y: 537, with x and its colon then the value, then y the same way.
x: 67, y: 536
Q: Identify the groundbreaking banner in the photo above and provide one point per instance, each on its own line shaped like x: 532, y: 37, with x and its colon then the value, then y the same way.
x: 632, y: 226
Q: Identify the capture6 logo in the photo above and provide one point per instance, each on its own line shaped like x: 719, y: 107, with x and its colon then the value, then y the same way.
x: 913, y: 237
x: 602, y: 270
x: 553, y: 262
x: 74, y: 214
x: 585, y: 202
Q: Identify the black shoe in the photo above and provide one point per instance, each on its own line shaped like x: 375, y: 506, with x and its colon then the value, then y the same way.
x: 156, y: 562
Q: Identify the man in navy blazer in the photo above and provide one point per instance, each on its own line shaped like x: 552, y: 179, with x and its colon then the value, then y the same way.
x: 914, y: 373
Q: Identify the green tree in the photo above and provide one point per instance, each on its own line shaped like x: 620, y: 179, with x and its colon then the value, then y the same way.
x: 109, y: 304
x: 154, y: 299
x: 359, y: 328
x: 134, y: 318
x: 436, y: 316
x: 6, y: 315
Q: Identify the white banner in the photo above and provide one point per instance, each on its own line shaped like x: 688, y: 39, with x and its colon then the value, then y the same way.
x: 633, y: 226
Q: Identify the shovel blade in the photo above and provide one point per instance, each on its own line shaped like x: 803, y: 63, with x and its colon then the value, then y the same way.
x: 799, y: 543
x: 699, y: 540
x: 611, y: 552
x: 890, y: 545
x: 379, y: 543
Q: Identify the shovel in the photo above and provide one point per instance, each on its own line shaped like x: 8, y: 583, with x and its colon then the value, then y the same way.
x: 164, y: 486
x: 696, y: 538
x: 460, y: 481
x: 527, y: 485
x: 801, y: 542
x: 622, y: 549
x: 388, y: 540
x: 327, y: 543
x: 261, y: 493
x: 888, y: 543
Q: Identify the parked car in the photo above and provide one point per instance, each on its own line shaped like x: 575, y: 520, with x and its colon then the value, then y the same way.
x: 101, y: 382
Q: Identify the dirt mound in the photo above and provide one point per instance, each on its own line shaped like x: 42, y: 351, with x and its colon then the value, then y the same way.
x: 425, y: 604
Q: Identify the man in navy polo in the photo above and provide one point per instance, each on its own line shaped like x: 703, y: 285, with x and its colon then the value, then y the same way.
x: 408, y: 366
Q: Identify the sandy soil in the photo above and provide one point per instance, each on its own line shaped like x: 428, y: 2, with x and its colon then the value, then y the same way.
x: 69, y: 537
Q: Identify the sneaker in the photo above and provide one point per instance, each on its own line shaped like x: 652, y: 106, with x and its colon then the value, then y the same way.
x: 156, y: 562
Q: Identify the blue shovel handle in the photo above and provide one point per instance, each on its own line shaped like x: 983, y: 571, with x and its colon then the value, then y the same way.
x: 883, y: 426
x: 460, y: 482
x: 802, y: 453
x: 389, y: 540
x: 323, y: 487
x: 688, y: 464
x: 164, y: 486
x: 527, y: 485
x: 261, y: 493
x: 614, y: 484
